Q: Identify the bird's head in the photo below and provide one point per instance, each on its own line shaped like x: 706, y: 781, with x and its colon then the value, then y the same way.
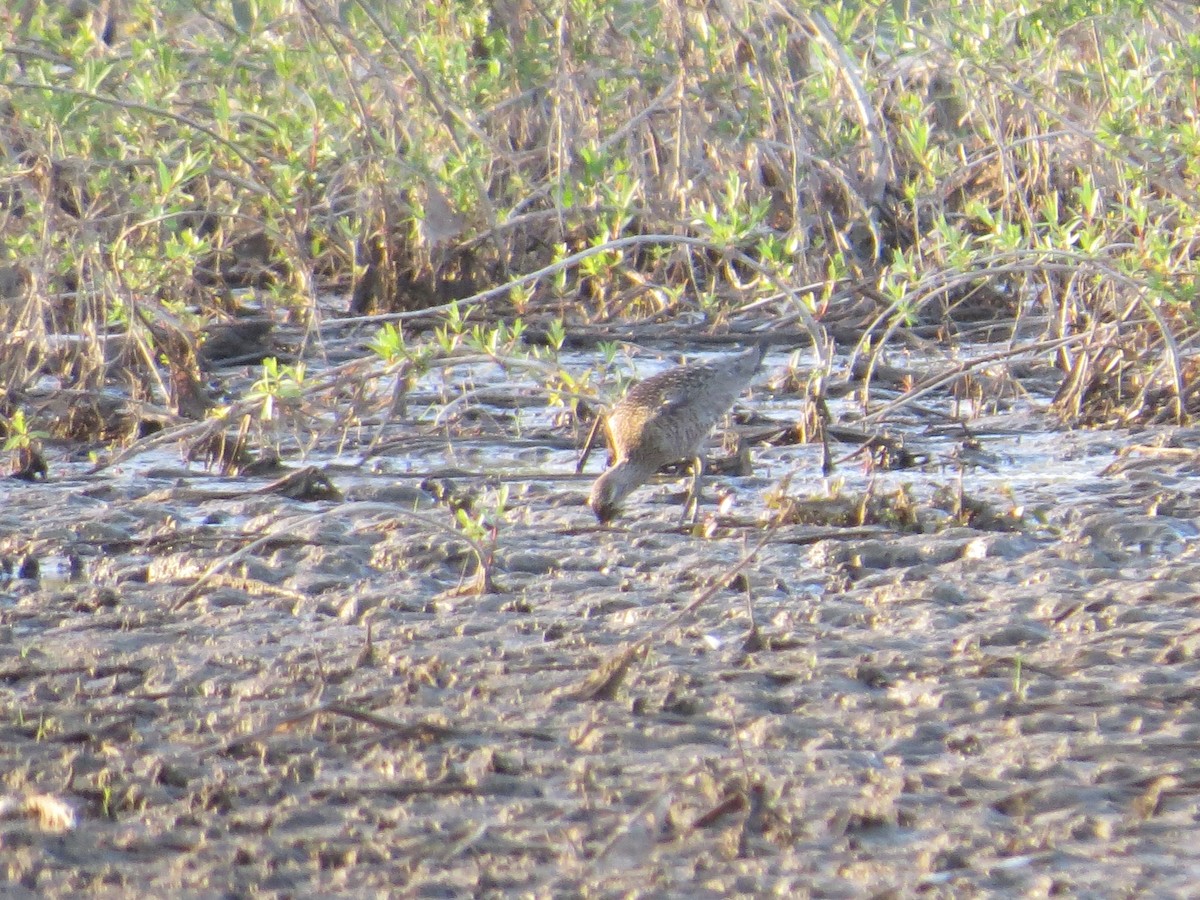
x: 612, y: 488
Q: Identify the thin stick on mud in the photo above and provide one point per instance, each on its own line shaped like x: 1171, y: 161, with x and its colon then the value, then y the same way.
x: 224, y: 562
x: 603, y: 683
x: 423, y: 730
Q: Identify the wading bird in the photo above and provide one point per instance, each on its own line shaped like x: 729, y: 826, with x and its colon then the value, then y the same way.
x: 666, y: 419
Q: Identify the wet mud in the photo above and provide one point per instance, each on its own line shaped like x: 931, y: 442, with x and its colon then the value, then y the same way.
x: 212, y: 687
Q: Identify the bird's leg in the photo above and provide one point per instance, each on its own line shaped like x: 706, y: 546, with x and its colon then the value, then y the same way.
x: 691, y: 507
x: 597, y: 424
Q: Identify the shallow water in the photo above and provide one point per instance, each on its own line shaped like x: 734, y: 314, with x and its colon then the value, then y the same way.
x: 1023, y: 453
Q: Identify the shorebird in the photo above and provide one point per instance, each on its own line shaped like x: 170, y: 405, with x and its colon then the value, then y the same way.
x: 666, y: 419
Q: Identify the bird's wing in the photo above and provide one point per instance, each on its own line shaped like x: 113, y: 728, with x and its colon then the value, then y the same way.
x: 673, y: 398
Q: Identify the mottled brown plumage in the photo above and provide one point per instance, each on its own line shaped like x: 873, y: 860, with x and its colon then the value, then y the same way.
x: 666, y: 419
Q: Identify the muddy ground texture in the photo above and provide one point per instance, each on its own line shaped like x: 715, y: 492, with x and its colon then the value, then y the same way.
x: 859, y: 711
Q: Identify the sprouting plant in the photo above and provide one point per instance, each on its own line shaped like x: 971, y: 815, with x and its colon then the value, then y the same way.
x: 279, y: 385
x: 456, y: 319
x: 520, y: 295
x: 486, y: 340
x: 602, y: 264
x: 25, y: 443
x: 172, y: 180
x: 595, y: 164
x: 1088, y: 196
x: 733, y: 219
x: 446, y: 340
x: 516, y: 330
x: 916, y: 133
x: 499, y: 338
x: 388, y: 344
x: 481, y: 531
x: 556, y: 334
x: 952, y: 243
x: 710, y: 303
x: 565, y: 389
x: 895, y: 287
x: 608, y: 352
x: 21, y: 437
x: 104, y: 783
x: 1018, y: 682
x: 779, y: 254
x: 450, y: 335
x: 391, y: 347
x: 620, y: 191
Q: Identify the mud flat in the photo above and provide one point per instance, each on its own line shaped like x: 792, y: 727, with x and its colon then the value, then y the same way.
x: 209, y: 688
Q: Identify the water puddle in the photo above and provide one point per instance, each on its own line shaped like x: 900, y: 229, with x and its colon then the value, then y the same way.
x: 488, y: 424
x: 1018, y: 452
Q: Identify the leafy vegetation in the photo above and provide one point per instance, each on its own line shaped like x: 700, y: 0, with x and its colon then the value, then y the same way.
x: 992, y: 170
